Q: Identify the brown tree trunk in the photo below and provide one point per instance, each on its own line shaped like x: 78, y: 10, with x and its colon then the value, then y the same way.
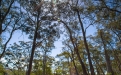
x: 77, y: 73
x: 72, y: 59
x: 44, y: 64
x: 76, y: 50
x: 86, y: 45
x: 115, y: 55
x: 100, y: 68
x: 81, y: 62
x: 107, y: 58
x: 98, y: 72
x: 33, y: 45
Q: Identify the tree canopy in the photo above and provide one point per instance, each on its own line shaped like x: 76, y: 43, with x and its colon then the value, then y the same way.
x: 90, y: 31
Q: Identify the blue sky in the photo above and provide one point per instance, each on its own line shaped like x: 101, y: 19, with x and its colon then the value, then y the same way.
x: 58, y: 44
x: 18, y: 36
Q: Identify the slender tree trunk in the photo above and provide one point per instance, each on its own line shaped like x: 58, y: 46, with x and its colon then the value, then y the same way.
x: 77, y: 73
x: 11, y: 34
x: 33, y: 45
x: 98, y: 72
x: 86, y: 45
x: 4, y: 49
x: 100, y: 67
x: 107, y: 58
x: 76, y: 50
x: 72, y: 59
x: 115, y: 55
x: 2, y: 17
x: 81, y: 62
x: 44, y: 63
x: 0, y: 1
x: 69, y: 65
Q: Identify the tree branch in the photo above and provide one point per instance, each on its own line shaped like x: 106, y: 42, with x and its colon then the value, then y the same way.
x: 4, y: 49
x: 109, y: 7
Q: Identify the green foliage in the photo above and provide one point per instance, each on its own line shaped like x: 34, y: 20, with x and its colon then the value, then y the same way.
x: 108, y: 74
x: 91, y: 9
x: 104, y: 15
x: 2, y: 70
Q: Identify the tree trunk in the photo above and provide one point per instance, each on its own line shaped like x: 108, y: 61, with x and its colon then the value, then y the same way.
x: 100, y: 68
x: 81, y: 62
x: 115, y: 55
x: 34, y: 45
x: 44, y: 63
x: 76, y: 50
x: 11, y: 34
x: 107, y: 58
x: 86, y: 45
x: 77, y: 73
x: 72, y: 59
x: 98, y: 72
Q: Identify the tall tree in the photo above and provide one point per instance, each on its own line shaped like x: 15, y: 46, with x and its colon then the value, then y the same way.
x: 39, y: 23
x: 10, y: 22
x: 107, y: 57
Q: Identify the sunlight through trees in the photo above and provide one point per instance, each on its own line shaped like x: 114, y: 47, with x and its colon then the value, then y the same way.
x: 90, y: 32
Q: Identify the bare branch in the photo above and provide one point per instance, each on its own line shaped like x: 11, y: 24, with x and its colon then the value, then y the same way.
x: 109, y: 7
x: 11, y: 34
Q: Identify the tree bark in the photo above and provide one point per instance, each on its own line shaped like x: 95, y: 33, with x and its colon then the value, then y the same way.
x: 44, y: 63
x: 86, y: 45
x: 33, y: 45
x: 72, y: 59
x: 77, y: 73
x: 115, y: 53
x: 76, y: 50
x: 100, y: 67
x: 107, y: 58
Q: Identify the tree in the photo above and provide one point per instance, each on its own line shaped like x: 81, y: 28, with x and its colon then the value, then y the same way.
x: 36, y: 25
x: 2, y: 70
x: 10, y: 22
x: 44, y: 21
x: 108, y: 63
x: 18, y: 55
x: 4, y: 13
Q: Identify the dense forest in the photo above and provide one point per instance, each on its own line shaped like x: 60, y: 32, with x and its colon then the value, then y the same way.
x: 46, y: 21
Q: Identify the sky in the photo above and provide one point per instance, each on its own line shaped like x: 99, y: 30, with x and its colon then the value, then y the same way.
x: 18, y: 36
